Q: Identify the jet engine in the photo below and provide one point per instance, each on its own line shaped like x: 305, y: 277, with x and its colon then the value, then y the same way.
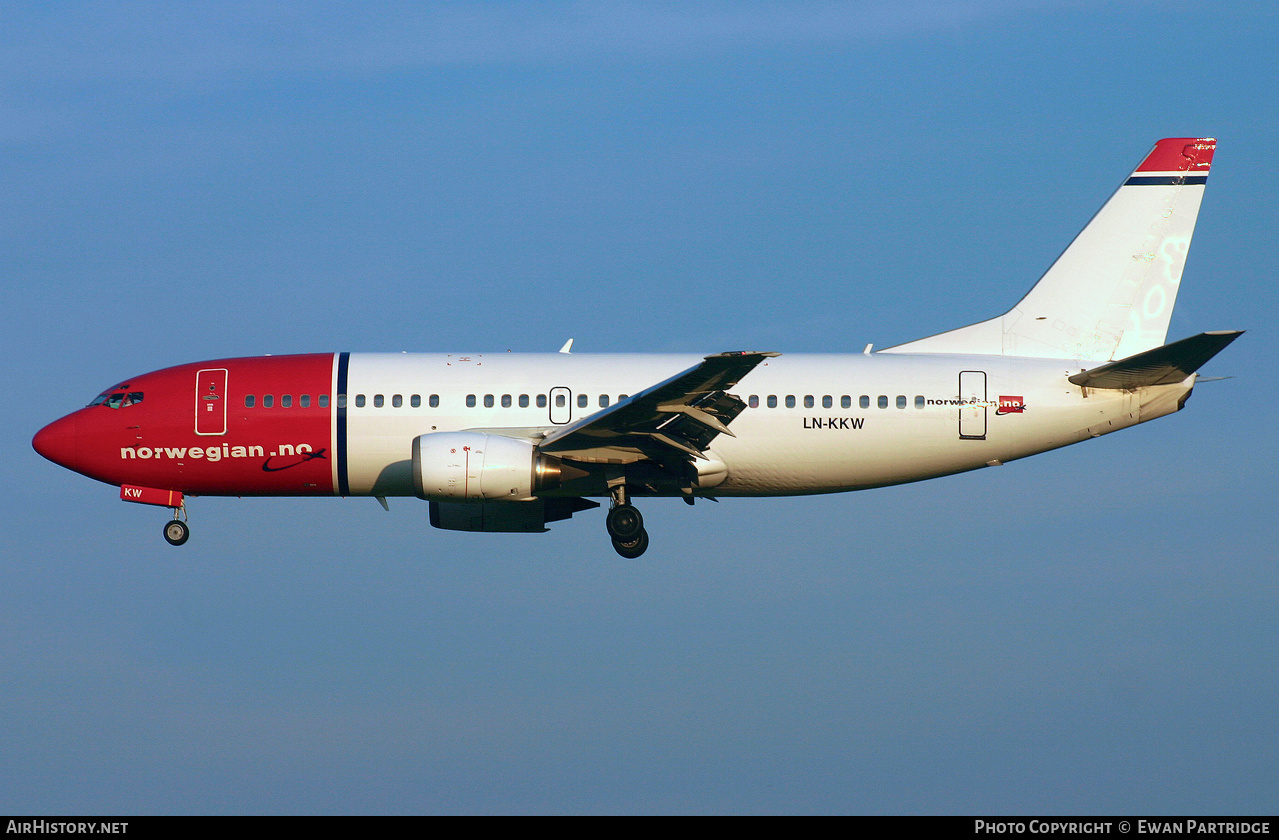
x: 505, y: 517
x: 478, y: 466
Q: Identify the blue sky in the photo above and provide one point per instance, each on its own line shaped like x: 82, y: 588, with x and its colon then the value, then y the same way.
x: 1091, y: 630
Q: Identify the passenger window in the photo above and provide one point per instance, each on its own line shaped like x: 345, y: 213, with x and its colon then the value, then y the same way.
x: 268, y: 401
x: 306, y: 400
x: 523, y: 400
x: 772, y: 401
x: 603, y: 400
x: 919, y: 401
x: 341, y: 400
x: 378, y: 400
x: 434, y: 402
x: 359, y: 400
x: 470, y: 401
x: 415, y: 401
x: 790, y: 400
x: 753, y: 401
x: 506, y: 401
x: 845, y: 401
x: 286, y: 401
x: 827, y: 402
x: 541, y: 400
x: 488, y: 400
x: 581, y: 401
x: 397, y: 401
x: 863, y: 401
x: 883, y: 401
x: 324, y: 400
x: 901, y: 401
x: 808, y: 401
x: 560, y: 401
x: 249, y: 400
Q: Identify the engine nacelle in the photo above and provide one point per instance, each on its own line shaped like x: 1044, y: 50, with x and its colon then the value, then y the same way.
x: 505, y: 517
x: 500, y: 517
x: 473, y: 465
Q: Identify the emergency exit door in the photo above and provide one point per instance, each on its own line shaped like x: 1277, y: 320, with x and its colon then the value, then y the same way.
x: 561, y: 405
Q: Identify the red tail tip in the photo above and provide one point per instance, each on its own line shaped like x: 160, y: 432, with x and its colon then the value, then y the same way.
x: 1180, y: 154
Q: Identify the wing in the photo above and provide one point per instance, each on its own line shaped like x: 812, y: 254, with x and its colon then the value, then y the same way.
x: 676, y: 419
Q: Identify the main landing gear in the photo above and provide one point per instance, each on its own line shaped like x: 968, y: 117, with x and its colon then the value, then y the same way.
x: 626, y: 526
x: 176, y: 532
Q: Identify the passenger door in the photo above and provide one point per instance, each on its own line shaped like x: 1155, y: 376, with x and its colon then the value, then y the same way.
x: 972, y: 414
x: 210, y: 401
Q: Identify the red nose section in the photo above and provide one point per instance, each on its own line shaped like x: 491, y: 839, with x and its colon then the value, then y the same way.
x: 57, y: 441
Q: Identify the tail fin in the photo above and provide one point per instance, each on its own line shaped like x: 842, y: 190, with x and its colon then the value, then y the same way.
x: 1110, y: 294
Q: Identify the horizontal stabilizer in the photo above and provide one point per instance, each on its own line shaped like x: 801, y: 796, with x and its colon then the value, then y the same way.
x: 1166, y: 365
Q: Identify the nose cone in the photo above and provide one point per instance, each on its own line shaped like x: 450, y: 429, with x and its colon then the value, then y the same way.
x: 57, y: 441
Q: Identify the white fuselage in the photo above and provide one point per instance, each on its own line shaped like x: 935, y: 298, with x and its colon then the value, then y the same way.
x: 815, y: 423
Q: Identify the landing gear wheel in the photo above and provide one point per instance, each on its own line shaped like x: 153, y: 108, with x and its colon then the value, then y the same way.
x: 630, y: 549
x: 176, y: 532
x: 624, y: 523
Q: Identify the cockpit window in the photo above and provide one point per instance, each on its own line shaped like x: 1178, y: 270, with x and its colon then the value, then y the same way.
x: 118, y: 399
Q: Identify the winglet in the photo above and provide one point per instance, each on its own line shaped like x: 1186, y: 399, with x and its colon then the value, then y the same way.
x: 568, y: 346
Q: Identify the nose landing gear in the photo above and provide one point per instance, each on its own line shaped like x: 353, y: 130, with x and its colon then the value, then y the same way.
x: 176, y: 531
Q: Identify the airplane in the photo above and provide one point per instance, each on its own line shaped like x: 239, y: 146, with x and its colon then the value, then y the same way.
x: 511, y: 442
